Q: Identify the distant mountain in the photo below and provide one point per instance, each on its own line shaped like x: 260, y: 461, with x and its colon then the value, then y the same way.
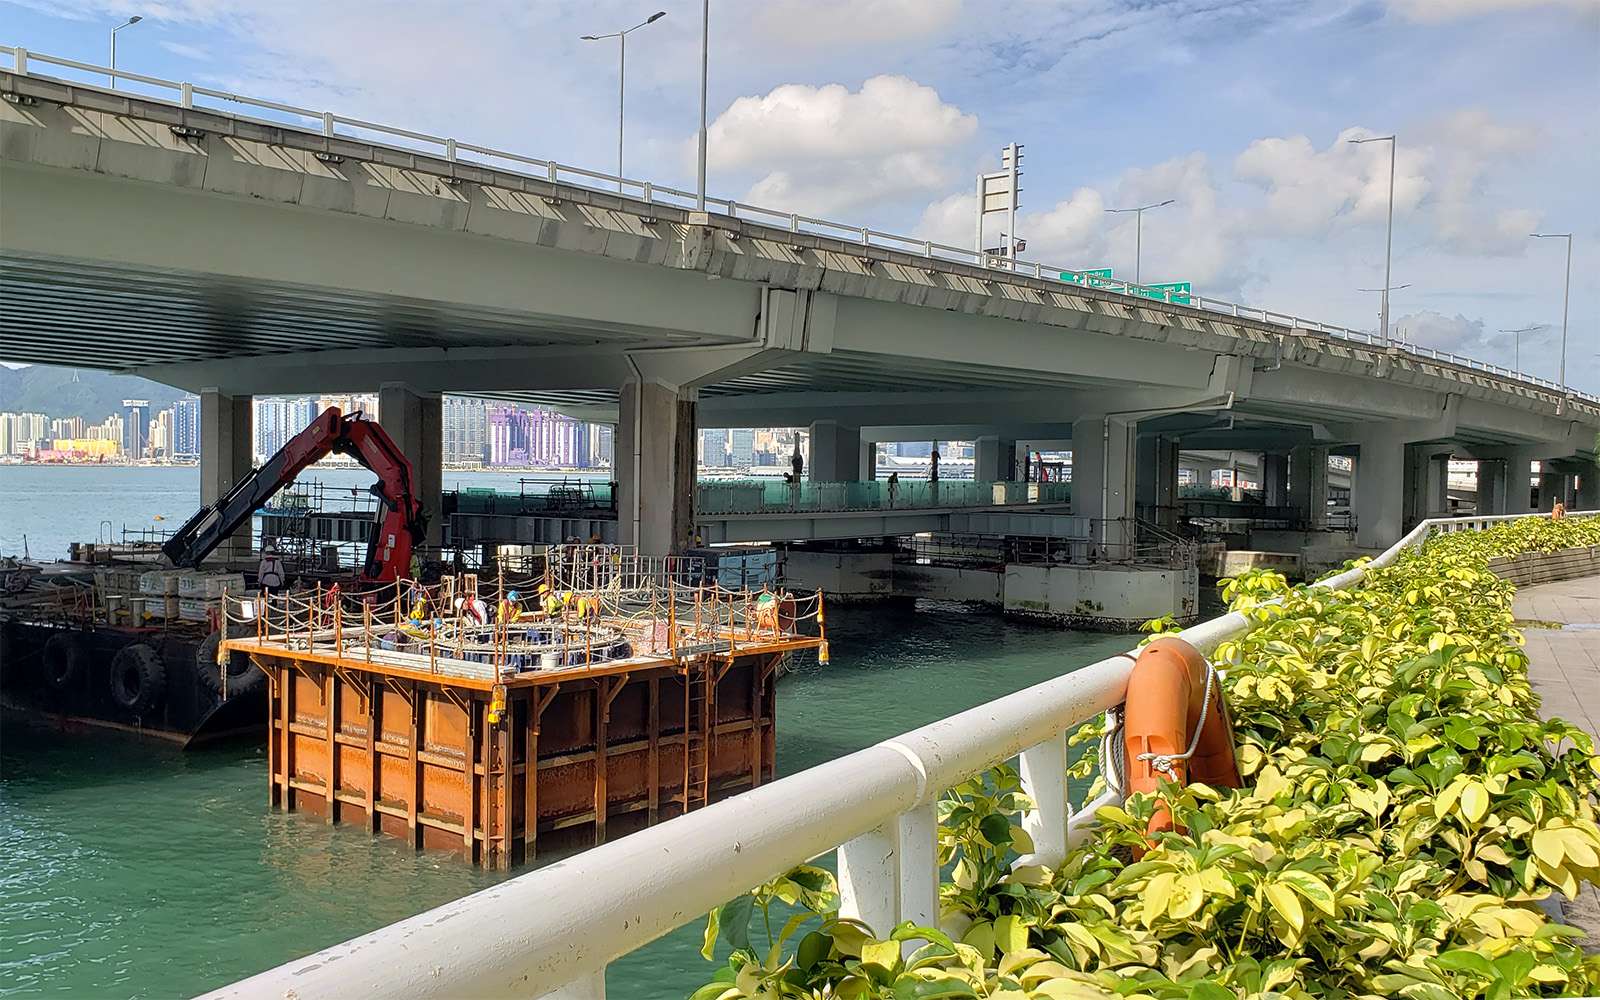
x: 77, y: 392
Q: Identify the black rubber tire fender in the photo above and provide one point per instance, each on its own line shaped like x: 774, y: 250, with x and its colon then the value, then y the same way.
x: 243, y: 676
x: 65, y: 659
x: 138, y: 678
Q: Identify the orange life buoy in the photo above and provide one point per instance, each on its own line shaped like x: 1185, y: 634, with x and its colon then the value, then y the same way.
x: 1166, y: 695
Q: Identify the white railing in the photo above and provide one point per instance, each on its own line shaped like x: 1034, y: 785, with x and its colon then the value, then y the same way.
x: 553, y: 930
x: 453, y: 150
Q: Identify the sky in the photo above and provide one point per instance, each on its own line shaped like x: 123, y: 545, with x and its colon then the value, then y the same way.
x: 882, y: 112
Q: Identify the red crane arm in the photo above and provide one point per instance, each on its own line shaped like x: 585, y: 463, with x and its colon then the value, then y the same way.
x: 401, y: 521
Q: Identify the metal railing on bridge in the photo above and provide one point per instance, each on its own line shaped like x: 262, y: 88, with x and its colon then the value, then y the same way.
x: 1151, y: 547
x: 754, y: 496
x: 533, y: 497
x: 452, y: 150
x: 877, y: 806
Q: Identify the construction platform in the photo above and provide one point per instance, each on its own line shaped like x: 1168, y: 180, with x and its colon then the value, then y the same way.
x: 636, y: 687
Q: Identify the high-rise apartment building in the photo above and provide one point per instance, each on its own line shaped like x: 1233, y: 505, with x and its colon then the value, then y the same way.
x: 186, y: 429
x: 135, y: 427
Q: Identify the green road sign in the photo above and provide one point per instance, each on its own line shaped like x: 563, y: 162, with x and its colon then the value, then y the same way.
x: 1101, y: 277
x: 1087, y: 277
x: 1166, y: 291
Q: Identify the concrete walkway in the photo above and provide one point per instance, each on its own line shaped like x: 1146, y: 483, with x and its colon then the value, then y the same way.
x: 1564, y: 668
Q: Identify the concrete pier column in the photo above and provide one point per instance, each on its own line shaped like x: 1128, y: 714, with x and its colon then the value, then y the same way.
x: 1104, y: 460
x: 416, y: 423
x: 1378, y: 495
x: 654, y: 467
x: 226, y: 440
x: 1492, y: 483
x: 836, y: 452
x: 1275, y: 479
x: 869, y: 461
x: 1157, y: 479
x: 1589, y: 487
x: 1436, y: 499
x: 1308, y: 485
x: 994, y: 460
x: 1552, y: 485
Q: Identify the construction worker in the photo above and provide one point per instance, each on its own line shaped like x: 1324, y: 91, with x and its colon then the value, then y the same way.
x: 549, y: 601
x: 510, y: 608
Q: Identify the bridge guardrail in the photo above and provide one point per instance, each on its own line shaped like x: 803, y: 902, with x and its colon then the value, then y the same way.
x: 768, y: 496
x: 877, y: 806
x: 451, y: 149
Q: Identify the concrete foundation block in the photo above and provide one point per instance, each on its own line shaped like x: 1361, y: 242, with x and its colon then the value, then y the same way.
x: 842, y: 576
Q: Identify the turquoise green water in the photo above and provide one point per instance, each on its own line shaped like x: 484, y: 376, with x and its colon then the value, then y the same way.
x: 129, y: 869
x: 133, y: 870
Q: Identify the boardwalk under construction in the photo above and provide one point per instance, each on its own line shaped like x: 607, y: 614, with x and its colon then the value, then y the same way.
x: 598, y: 693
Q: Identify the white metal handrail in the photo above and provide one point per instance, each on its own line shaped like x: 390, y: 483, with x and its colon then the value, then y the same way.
x: 648, y: 192
x: 553, y: 930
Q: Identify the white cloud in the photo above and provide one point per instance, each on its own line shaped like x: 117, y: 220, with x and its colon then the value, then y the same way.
x: 1464, y: 146
x: 836, y: 23
x: 830, y: 149
x: 1447, y: 10
x: 1309, y: 190
x: 1473, y: 338
x: 187, y: 51
x: 1192, y: 240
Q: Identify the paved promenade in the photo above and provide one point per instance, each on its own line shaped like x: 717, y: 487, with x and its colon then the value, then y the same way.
x: 1565, y: 670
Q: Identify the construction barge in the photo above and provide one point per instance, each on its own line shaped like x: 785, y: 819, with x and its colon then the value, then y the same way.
x: 600, y: 694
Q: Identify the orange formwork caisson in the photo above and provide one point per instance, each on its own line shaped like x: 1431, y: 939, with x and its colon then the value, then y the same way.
x: 634, y: 704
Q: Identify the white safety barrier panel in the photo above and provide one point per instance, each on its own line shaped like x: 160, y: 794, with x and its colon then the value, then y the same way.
x: 552, y: 931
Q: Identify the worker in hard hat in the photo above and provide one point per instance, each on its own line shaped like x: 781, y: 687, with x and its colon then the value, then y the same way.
x: 510, y: 608
x: 549, y: 601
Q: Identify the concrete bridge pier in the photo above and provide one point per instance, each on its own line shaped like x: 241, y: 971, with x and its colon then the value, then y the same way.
x: 1157, y: 478
x: 1308, y: 485
x: 838, y: 455
x: 1552, y: 485
x: 415, y: 420
x: 226, y: 446
x: 1492, y: 479
x: 995, y: 460
x: 1275, y: 479
x: 1429, y: 482
x: 1588, y: 492
x: 654, y: 466
x: 1104, y: 463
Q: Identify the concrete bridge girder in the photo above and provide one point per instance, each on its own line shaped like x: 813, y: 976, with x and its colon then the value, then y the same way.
x: 451, y: 276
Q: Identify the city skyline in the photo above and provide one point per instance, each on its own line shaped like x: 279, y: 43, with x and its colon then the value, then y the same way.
x: 531, y: 437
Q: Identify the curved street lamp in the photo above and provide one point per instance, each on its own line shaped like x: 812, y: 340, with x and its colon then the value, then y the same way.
x: 1138, y: 231
x: 622, y: 74
x: 1516, y: 341
x: 1566, y: 294
x: 1388, y: 243
x: 130, y: 22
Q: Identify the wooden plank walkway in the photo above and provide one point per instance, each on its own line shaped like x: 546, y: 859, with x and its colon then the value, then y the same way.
x: 1564, y: 668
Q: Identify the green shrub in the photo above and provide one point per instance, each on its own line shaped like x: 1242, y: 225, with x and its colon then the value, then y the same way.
x: 1407, y: 810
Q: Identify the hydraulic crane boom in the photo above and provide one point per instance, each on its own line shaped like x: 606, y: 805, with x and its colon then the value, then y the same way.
x: 401, y: 523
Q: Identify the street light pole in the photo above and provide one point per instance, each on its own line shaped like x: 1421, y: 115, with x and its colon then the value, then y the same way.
x: 135, y: 19
x: 1566, y: 294
x: 622, y: 76
x: 1388, y: 240
x: 1516, y: 342
x: 1383, y: 315
x: 1138, y: 234
x: 705, y: 49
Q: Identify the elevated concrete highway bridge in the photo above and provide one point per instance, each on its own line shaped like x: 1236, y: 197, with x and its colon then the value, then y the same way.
x: 234, y: 257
